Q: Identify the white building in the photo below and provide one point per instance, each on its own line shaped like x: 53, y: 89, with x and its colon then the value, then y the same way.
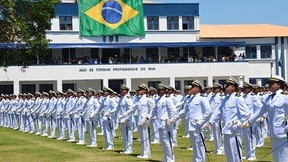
x: 173, y: 31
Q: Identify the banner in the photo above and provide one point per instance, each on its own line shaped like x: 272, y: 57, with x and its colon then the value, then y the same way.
x: 111, y: 17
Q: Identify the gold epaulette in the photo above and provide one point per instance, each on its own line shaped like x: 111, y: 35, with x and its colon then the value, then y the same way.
x: 285, y: 92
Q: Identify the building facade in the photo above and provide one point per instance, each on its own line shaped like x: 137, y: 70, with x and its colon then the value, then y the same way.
x: 175, y: 50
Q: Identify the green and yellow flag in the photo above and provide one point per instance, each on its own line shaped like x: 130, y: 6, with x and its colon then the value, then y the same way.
x: 111, y: 17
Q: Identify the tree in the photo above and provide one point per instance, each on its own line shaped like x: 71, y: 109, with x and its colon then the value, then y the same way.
x: 22, y: 30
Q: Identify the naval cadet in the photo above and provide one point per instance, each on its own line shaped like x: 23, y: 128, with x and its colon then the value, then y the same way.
x: 79, y: 119
x: 199, y: 111
x: 232, y: 112
x: 277, y: 107
x: 108, y: 108
x: 164, y: 110
x: 125, y: 103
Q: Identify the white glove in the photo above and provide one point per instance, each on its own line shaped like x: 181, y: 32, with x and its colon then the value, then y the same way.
x: 246, y: 124
x: 107, y: 114
x: 260, y: 119
x: 121, y: 116
x: 206, y: 125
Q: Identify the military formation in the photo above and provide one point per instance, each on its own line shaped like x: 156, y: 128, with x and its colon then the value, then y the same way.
x: 230, y: 115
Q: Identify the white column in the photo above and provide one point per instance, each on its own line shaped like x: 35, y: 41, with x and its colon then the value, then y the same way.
x: 241, y: 80
x: 129, y: 82
x: 285, y: 58
x: 59, y: 85
x: 100, y: 54
x: 210, y: 80
x: 16, y: 87
x: 159, y: 54
x: 172, y: 81
x: 258, y: 81
x: 37, y: 87
x: 180, y: 23
x: 105, y: 82
x: 258, y: 49
x: 182, y: 85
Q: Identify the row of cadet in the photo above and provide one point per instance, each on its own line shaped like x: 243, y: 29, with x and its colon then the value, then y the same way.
x: 224, y: 115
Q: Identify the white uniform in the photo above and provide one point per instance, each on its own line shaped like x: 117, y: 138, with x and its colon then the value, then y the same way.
x: 79, y: 119
x: 69, y: 119
x: 126, y: 103
x: 199, y: 112
x: 232, y: 112
x: 109, y: 107
x: 277, y: 108
x: 143, y: 107
x: 164, y: 110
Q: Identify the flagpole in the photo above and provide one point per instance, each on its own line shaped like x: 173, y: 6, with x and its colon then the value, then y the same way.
x: 271, y: 65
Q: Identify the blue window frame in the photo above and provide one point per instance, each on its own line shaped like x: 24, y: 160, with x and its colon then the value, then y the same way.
x: 188, y: 22
x: 266, y: 51
x: 251, y: 52
x: 152, y: 23
x: 65, y: 22
x: 172, y: 23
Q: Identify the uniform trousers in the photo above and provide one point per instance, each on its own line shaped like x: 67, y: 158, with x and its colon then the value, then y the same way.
x: 166, y: 144
x: 52, y: 124
x: 279, y: 147
x: 155, y: 135
x: 29, y: 126
x: 198, y: 146
x: 80, y: 123
x: 127, y: 135
x: 144, y: 138
x: 40, y: 120
x: 91, y: 126
x: 70, y: 127
x: 260, y: 134
x: 61, y: 127
x: 250, y: 141
x: 108, y: 133
x: 218, y: 138
x: 230, y: 146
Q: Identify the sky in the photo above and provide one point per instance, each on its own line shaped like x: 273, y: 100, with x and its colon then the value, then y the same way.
x: 240, y: 11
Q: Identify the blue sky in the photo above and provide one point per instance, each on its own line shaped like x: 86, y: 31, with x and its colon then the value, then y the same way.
x: 240, y: 11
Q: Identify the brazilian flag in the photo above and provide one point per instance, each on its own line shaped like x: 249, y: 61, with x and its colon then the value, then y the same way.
x: 111, y: 17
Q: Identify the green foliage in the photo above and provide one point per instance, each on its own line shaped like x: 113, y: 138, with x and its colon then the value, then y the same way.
x: 17, y: 146
x: 22, y: 30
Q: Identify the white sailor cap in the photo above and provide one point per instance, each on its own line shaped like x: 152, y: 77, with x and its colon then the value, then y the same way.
x: 80, y: 90
x: 143, y: 86
x: 124, y: 87
x: 132, y: 91
x: 6, y: 95
x: 247, y: 85
x: 70, y: 91
x: 2, y: 95
x: 217, y: 85
x: 232, y: 81
x: 30, y: 94
x: 187, y: 87
x: 59, y: 92
x: 162, y: 87
x: 276, y: 78
x: 208, y: 87
x: 52, y: 92
x: 107, y: 89
x: 45, y: 93
x: 37, y: 93
x: 89, y: 90
x: 100, y: 91
x: 197, y: 83
x: 24, y: 94
x: 152, y: 89
x: 171, y: 88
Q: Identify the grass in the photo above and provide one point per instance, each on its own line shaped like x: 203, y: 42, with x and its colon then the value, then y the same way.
x: 16, y: 146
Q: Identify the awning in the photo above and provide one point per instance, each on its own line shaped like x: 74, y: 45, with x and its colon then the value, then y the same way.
x: 146, y: 45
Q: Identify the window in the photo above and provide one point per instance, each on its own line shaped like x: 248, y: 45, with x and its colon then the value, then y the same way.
x: 266, y: 51
x: 222, y: 82
x: 251, y: 52
x: 68, y: 54
x: 177, y: 85
x: 188, y: 23
x: 45, y: 87
x: 6, y: 89
x: 152, y: 23
x: 65, y: 87
x: 152, y: 54
x: 65, y: 22
x: 188, y: 82
x: 153, y: 84
x: 172, y: 23
x: 254, y: 80
x: 173, y: 55
x: 28, y: 88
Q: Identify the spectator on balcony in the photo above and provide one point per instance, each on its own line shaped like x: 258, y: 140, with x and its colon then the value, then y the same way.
x: 116, y: 59
x: 110, y: 60
x: 240, y: 58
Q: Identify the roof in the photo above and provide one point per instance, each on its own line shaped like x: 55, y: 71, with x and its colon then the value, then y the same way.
x: 243, y: 31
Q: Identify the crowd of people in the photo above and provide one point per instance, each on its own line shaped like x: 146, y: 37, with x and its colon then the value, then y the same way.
x: 124, y: 59
x: 227, y: 114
